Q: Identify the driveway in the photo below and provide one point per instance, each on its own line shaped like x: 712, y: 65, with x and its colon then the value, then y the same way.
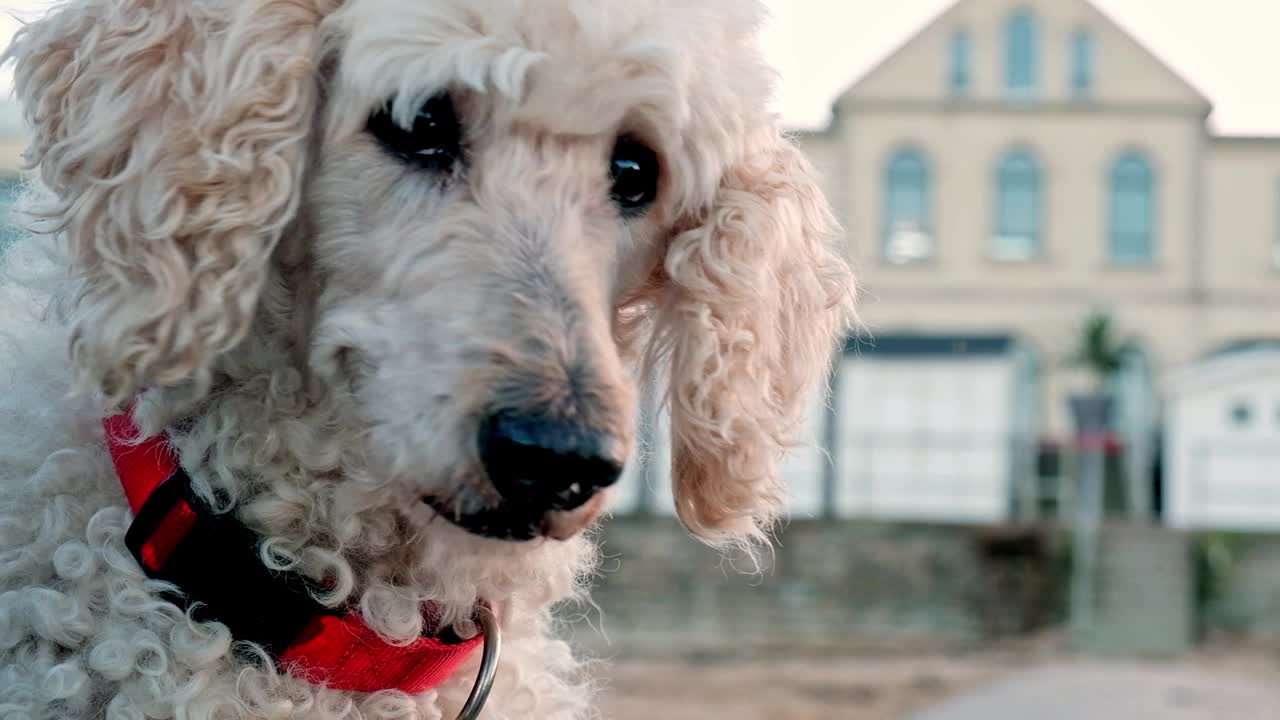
x: 1115, y: 691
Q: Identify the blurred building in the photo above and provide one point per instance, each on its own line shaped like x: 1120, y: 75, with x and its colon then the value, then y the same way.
x: 1019, y: 162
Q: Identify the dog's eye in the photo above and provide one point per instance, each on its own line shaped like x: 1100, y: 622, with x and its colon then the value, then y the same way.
x: 634, y: 172
x: 435, y: 140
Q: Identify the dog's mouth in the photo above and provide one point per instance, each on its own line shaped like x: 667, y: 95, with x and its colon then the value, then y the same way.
x: 512, y: 522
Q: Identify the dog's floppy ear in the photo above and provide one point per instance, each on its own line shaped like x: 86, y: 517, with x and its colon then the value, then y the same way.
x: 172, y: 135
x: 756, y: 298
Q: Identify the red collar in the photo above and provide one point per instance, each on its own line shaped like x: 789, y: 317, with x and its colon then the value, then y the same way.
x: 213, y: 560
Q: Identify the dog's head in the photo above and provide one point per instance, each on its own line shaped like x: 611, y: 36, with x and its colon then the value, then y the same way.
x: 492, y: 218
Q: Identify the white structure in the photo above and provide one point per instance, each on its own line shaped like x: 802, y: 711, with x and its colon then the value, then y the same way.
x: 646, y: 484
x: 921, y: 428
x: 934, y: 429
x: 1222, y: 441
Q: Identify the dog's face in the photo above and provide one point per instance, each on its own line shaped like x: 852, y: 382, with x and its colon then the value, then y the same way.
x: 470, y: 290
x: 511, y: 211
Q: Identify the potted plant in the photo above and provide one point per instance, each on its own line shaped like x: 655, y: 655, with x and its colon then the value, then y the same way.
x: 1101, y: 354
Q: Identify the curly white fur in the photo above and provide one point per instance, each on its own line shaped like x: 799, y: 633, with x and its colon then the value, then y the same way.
x: 318, y: 327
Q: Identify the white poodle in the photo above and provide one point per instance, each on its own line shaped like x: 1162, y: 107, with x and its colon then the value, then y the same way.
x: 385, y: 277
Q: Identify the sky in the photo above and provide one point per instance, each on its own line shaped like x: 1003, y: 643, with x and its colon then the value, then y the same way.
x: 1228, y: 49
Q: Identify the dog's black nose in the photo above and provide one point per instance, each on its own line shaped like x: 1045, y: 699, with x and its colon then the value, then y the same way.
x: 551, y: 464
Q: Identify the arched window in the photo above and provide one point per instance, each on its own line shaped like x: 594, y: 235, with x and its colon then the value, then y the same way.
x: 1022, y: 53
x: 1081, y: 64
x: 1019, y: 207
x: 906, y: 221
x: 960, y: 76
x: 1131, y: 220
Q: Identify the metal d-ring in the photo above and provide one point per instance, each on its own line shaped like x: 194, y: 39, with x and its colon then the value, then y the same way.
x: 488, y: 623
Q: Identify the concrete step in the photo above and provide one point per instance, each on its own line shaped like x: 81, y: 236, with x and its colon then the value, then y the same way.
x: 1144, y: 601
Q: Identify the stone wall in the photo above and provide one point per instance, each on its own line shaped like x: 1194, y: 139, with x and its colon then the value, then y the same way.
x: 832, y: 585
x: 1239, y: 585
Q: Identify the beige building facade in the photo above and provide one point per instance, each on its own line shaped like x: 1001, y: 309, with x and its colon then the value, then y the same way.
x: 1020, y: 162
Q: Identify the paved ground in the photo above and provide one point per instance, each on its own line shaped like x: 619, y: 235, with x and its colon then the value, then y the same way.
x: 796, y: 689
x: 1107, y: 691
x: 1043, y: 684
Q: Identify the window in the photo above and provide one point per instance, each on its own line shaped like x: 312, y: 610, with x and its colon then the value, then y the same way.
x: 1241, y: 414
x: 906, y: 208
x: 1132, y: 211
x: 1018, y: 207
x: 1021, y: 53
x: 960, y: 79
x: 1081, y: 64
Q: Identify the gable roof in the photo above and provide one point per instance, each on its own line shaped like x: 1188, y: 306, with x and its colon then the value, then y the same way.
x: 869, y: 87
x: 1231, y: 364
x: 909, y: 42
x: 1137, y: 44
